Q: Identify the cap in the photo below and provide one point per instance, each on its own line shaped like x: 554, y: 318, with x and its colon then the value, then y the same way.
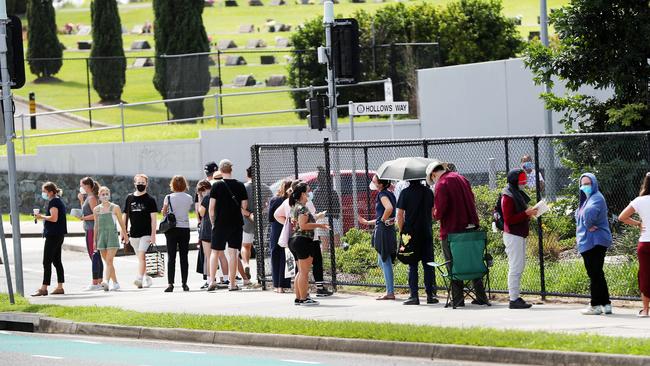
x: 210, y: 168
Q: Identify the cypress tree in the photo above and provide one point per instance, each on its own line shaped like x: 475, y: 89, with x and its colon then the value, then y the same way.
x: 178, y: 29
x: 42, y: 40
x: 108, y: 73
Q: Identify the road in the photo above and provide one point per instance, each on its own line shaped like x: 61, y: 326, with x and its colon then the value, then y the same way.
x: 27, y: 349
x: 49, y: 122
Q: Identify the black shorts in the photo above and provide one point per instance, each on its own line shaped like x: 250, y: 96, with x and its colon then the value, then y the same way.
x: 228, y: 235
x: 302, y: 247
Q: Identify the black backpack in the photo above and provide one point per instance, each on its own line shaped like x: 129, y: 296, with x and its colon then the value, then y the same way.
x: 497, y: 214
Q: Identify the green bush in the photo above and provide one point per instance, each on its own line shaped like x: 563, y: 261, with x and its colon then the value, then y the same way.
x: 109, y: 74
x: 42, y: 39
x: 360, y: 255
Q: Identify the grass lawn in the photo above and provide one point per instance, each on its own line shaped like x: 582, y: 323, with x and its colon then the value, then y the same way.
x: 356, y: 330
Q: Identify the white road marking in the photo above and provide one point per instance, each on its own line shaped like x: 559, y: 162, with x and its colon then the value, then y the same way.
x: 303, y: 362
x: 86, y: 342
x: 48, y: 357
x: 4, y: 332
x: 191, y: 352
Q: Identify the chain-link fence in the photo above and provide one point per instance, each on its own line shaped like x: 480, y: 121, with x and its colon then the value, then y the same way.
x: 553, y: 267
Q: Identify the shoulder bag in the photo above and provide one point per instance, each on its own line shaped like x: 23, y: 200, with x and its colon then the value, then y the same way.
x: 169, y: 221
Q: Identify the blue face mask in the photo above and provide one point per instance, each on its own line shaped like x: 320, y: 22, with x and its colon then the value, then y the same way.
x: 586, y: 189
x: 44, y: 196
x: 528, y: 165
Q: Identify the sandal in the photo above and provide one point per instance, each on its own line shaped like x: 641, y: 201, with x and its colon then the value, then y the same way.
x: 236, y: 288
x: 386, y: 297
x: 641, y: 315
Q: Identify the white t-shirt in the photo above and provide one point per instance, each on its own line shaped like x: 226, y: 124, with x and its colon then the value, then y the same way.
x: 531, y: 179
x: 642, y: 207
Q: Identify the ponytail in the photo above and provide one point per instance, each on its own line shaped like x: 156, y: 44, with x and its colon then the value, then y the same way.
x: 298, y: 190
x: 96, y: 188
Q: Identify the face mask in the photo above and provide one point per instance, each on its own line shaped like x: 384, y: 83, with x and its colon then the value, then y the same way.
x: 527, y: 165
x: 82, y: 190
x: 586, y: 189
x: 310, y: 196
x: 140, y: 187
x: 522, y: 186
x: 44, y: 196
x: 105, y: 198
x: 373, y: 186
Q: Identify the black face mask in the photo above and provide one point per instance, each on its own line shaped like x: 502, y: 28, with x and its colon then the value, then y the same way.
x: 140, y: 187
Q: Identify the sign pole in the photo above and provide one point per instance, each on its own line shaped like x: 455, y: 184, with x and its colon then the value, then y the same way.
x: 11, y: 152
x: 5, y: 259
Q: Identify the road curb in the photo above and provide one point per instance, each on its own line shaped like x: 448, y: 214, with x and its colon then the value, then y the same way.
x: 387, y: 348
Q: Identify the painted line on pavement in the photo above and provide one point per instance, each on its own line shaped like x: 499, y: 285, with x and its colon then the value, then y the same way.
x: 48, y: 357
x: 86, y: 342
x: 5, y: 332
x: 303, y: 362
x: 190, y: 352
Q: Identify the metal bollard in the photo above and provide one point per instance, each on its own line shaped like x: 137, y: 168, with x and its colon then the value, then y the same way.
x: 32, y: 110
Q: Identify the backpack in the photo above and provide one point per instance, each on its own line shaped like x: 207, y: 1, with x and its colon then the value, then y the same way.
x: 497, y: 214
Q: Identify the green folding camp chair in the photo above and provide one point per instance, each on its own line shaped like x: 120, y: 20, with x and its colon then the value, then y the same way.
x: 469, y: 261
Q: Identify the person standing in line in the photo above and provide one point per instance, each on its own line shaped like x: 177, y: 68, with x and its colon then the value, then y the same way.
x: 302, y: 241
x: 641, y: 206
x: 228, y: 202
x: 384, y: 237
x: 529, y: 167
x: 107, y: 214
x: 593, y: 238
x: 249, y: 222
x: 178, y: 203
x: 221, y: 262
x: 205, y: 230
x: 414, y: 210
x: 278, y: 259
x: 516, y: 221
x: 88, y: 192
x: 140, y: 209
x: 54, y: 230
x: 208, y: 170
x: 455, y: 208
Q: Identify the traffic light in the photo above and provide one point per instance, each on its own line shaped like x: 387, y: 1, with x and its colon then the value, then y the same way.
x: 15, y: 54
x: 345, y: 51
x: 316, y: 108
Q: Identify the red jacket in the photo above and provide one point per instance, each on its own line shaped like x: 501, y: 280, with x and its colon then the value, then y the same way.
x: 454, y: 204
x: 515, y: 223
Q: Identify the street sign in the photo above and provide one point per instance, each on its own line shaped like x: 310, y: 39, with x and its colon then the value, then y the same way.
x: 377, y: 108
x: 388, y: 90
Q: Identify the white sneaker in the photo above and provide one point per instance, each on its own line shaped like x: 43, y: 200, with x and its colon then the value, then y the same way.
x: 592, y: 310
x: 138, y: 283
x: 115, y: 287
x: 147, y: 281
x: 94, y: 288
x: 607, y: 309
x: 105, y: 286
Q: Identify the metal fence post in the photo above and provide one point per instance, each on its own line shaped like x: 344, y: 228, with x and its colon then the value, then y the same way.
x: 365, y: 162
x: 122, y: 120
x: 540, y: 231
x: 330, y: 208
x: 425, y: 148
x: 217, y: 115
x: 22, y: 136
x: 506, y: 146
x: 220, y: 83
x: 295, y: 162
x: 260, y: 258
x: 90, y: 113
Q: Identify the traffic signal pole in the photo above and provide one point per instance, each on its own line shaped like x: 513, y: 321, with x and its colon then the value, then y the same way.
x: 328, y: 21
x: 11, y: 153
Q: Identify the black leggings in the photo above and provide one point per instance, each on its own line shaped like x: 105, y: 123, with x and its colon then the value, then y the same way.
x: 317, y: 264
x: 594, y: 261
x: 52, y: 256
x: 178, y: 239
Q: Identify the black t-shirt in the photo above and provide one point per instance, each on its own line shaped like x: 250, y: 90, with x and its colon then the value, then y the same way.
x: 227, y: 212
x: 59, y: 227
x: 417, y: 201
x: 139, y: 209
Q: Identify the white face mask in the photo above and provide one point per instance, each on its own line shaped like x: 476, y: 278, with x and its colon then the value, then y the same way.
x: 310, y: 195
x: 82, y: 190
x: 522, y: 186
x: 373, y: 186
x: 105, y: 198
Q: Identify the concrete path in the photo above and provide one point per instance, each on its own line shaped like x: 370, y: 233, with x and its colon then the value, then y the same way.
x: 342, y: 306
x: 49, y: 122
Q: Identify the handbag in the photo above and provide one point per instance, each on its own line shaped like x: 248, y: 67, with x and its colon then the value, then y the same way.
x: 406, y: 250
x: 169, y: 221
x: 285, y: 234
x: 155, y: 261
x: 289, y: 264
x: 200, y: 261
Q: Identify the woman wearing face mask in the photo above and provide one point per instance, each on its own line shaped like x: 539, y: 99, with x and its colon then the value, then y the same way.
x: 516, y: 220
x: 593, y: 237
x: 140, y: 210
x: 531, y: 175
x: 88, y: 192
x: 106, y: 240
x: 384, y: 238
x: 54, y: 230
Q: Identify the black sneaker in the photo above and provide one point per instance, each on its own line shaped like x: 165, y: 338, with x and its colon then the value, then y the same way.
x: 432, y: 300
x: 412, y: 301
x: 323, y: 292
x: 170, y: 288
x: 205, y: 286
x: 519, y: 304
x: 185, y: 287
x: 479, y: 302
x: 309, y: 302
x: 297, y: 302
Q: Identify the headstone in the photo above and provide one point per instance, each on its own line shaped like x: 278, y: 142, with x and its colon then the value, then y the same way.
x: 517, y: 20
x: 140, y: 45
x: 533, y: 35
x: 84, y: 45
x: 246, y: 28
x: 282, y: 42
x: 255, y: 3
x: 244, y: 80
x: 125, y: 30
x: 225, y: 44
x: 211, y: 61
x: 233, y: 60
x: 322, y: 1
x: 276, y: 80
x: 216, y: 81
x: 267, y: 59
x: 255, y: 43
x: 278, y: 2
x: 284, y: 27
x: 137, y: 29
x: 208, y: 3
x: 358, y: 1
x: 84, y: 30
x: 306, y: 2
x: 230, y: 3
x: 143, y: 62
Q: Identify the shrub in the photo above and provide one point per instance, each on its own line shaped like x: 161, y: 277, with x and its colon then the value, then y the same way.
x: 360, y: 255
x: 42, y: 39
x: 109, y: 74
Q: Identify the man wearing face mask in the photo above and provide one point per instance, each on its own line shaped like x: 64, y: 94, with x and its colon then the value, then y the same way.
x: 140, y: 210
x: 516, y: 220
x: 529, y: 167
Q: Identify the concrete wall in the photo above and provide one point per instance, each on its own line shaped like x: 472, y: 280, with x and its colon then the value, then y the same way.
x: 485, y: 99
